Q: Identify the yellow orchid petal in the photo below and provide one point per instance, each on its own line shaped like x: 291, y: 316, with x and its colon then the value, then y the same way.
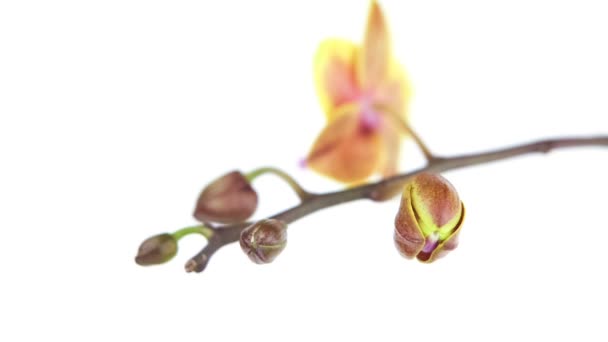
x: 335, y: 78
x: 346, y: 152
x: 375, y: 55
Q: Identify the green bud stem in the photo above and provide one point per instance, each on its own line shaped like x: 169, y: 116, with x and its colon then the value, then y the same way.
x: 295, y: 186
x: 200, y: 229
x: 224, y: 235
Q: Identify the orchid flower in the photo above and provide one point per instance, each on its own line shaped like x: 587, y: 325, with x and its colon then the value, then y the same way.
x: 364, y: 94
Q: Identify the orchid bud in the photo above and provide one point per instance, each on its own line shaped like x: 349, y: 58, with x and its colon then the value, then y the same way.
x: 156, y: 250
x: 429, y: 218
x: 228, y: 199
x: 264, y: 240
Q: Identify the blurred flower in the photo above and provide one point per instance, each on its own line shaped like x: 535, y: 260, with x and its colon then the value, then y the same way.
x: 264, y: 240
x: 364, y: 92
x: 429, y: 218
x: 156, y: 250
x: 228, y: 199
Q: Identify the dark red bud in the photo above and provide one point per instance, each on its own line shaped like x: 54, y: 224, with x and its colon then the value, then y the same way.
x: 228, y: 199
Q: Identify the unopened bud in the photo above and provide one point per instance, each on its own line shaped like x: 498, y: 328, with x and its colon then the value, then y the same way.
x: 156, y: 250
x: 228, y: 199
x: 264, y: 240
x: 429, y: 218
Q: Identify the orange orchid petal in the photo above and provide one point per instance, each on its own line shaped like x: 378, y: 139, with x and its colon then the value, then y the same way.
x: 375, y: 56
x: 345, y: 152
x: 335, y: 79
x: 391, y: 136
x: 394, y: 94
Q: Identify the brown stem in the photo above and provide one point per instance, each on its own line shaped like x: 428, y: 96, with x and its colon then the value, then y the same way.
x: 228, y: 234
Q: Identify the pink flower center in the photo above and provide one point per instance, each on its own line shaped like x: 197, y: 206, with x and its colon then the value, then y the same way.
x: 370, y: 119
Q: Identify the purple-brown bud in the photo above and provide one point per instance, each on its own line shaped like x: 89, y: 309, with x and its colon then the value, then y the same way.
x: 264, y: 240
x: 429, y: 218
x: 156, y: 250
x: 228, y: 199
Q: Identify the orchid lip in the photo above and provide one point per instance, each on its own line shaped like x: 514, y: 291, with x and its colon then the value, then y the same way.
x: 431, y: 243
x: 370, y: 121
x: 370, y: 118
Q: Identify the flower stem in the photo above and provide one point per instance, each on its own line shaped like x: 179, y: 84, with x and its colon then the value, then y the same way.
x: 295, y: 186
x: 225, y: 235
x: 407, y: 129
x: 200, y: 229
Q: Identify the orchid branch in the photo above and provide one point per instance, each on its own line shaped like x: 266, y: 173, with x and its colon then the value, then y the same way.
x: 219, y: 236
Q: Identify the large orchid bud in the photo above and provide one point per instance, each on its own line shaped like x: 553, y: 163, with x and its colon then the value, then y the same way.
x: 264, y: 240
x: 228, y: 199
x: 429, y: 218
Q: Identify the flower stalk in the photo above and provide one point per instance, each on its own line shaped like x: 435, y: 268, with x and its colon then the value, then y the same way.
x: 293, y: 184
x: 198, y: 229
x: 228, y: 234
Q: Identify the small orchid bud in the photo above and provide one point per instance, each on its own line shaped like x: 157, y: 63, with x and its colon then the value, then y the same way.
x: 228, y: 199
x: 156, y: 250
x: 429, y: 218
x: 264, y: 240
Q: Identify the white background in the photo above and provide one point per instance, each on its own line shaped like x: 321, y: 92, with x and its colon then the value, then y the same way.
x: 114, y: 114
